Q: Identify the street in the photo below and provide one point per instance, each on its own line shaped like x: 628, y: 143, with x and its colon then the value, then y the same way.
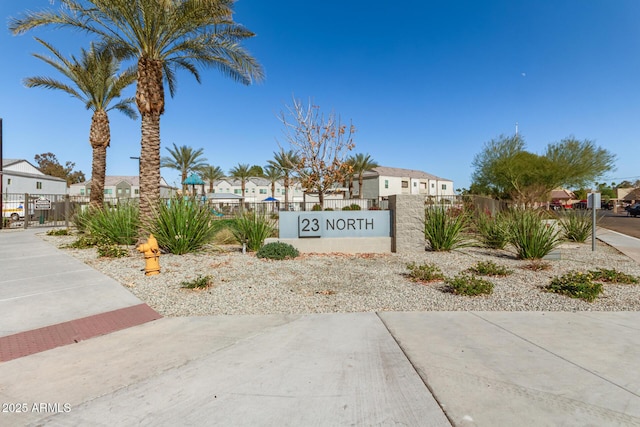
x: 621, y: 223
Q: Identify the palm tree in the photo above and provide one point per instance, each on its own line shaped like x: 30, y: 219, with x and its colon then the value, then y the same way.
x: 241, y: 172
x: 95, y: 82
x: 162, y: 37
x: 211, y: 174
x: 273, y: 174
x: 361, y: 164
x: 286, y: 162
x: 185, y: 159
x: 349, y: 175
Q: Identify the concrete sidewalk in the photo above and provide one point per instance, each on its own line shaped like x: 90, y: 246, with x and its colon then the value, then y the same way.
x: 363, y: 369
x: 416, y: 369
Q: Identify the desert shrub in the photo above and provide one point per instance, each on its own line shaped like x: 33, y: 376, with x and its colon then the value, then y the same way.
x: 80, y: 218
x: 85, y: 241
x: 119, y: 224
x: 182, y: 226
x: 469, y: 285
x: 530, y: 235
x: 277, y: 250
x: 252, y: 228
x: 575, y: 284
x: 224, y: 237
x: 200, y: 282
x: 111, y: 250
x: 489, y: 268
x: 443, y: 230
x: 576, y: 225
x: 58, y: 232
x: 493, y: 232
x: 612, y: 276
x: 537, y: 265
x: 424, y: 272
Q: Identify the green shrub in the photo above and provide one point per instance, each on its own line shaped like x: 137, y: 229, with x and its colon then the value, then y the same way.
x: 224, y: 237
x: 612, y: 276
x: 119, y: 224
x: 182, y: 226
x: 58, y: 232
x: 111, y: 250
x: 576, y: 225
x: 316, y: 207
x: 469, y: 285
x: 84, y: 241
x: 80, y: 218
x: 355, y: 207
x: 493, y: 232
x: 252, y: 228
x: 277, y: 250
x: 346, y: 208
x: 489, y: 268
x: 424, y: 272
x: 201, y: 282
x: 443, y: 230
x: 531, y: 236
x: 575, y: 284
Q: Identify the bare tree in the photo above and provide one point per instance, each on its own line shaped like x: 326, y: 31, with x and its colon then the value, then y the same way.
x: 321, y: 145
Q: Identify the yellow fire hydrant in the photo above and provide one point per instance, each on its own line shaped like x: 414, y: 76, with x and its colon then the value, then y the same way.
x: 151, y: 255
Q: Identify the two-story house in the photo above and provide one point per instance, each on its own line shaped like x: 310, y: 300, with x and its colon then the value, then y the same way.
x: 381, y: 182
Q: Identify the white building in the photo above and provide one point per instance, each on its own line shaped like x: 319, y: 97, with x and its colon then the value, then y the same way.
x: 382, y: 182
x: 120, y: 187
x: 256, y: 189
x: 20, y: 177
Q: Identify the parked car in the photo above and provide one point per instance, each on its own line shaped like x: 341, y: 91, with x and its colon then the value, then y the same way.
x: 633, y: 210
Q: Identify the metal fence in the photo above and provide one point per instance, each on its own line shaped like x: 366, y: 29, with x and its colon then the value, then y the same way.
x: 42, y: 210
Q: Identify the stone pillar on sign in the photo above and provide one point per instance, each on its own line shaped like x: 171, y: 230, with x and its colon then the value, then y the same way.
x: 407, y: 211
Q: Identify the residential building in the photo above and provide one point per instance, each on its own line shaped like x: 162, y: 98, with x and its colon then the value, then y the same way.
x: 256, y: 189
x: 382, y: 182
x: 120, y: 187
x: 20, y: 177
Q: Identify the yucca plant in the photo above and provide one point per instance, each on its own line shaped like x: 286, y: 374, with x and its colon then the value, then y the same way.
x: 445, y: 231
x: 182, y: 226
x: 252, y: 228
x: 118, y: 224
x: 576, y: 225
x: 532, y: 237
x: 493, y: 232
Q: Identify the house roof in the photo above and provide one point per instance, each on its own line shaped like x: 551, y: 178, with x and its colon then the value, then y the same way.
x: 112, y: 181
x: 403, y: 173
x: 38, y: 174
x: 562, y: 194
x: 9, y: 162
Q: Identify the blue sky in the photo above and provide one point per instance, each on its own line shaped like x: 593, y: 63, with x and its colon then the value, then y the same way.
x: 426, y: 84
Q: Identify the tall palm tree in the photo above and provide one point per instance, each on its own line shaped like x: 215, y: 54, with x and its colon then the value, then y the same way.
x: 361, y: 164
x: 286, y: 161
x: 162, y: 36
x: 241, y: 172
x: 211, y: 174
x: 185, y: 159
x: 94, y: 81
x: 273, y: 174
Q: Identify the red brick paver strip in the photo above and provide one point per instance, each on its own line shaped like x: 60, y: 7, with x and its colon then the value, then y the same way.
x: 41, y: 339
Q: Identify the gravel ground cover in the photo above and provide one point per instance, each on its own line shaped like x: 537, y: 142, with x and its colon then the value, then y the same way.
x: 326, y: 283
